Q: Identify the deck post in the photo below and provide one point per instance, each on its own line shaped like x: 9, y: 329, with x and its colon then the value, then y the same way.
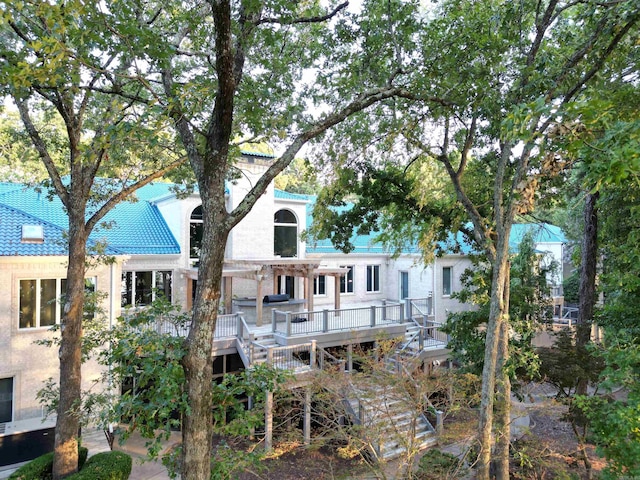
x: 313, y: 353
x: 288, y: 316
x: 336, y: 295
x: 239, y: 326
x: 407, y: 308
x: 421, y: 339
x: 373, y: 316
x: 269, y: 356
x: 439, y: 422
x: 268, y: 421
x: 350, y: 357
x: 384, y: 309
x: 307, y: 416
x: 251, y: 347
x: 274, y: 320
x: 325, y: 320
x: 252, y: 432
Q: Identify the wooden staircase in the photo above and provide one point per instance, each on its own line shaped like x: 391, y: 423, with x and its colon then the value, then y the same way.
x: 390, y: 421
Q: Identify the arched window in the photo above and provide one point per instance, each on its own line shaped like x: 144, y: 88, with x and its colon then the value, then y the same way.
x: 195, y: 233
x: 285, y: 239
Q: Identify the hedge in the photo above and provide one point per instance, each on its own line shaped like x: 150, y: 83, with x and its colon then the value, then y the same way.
x: 41, y: 467
x: 105, y: 466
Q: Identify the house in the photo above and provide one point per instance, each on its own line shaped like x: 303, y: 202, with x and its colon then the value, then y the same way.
x: 155, y: 243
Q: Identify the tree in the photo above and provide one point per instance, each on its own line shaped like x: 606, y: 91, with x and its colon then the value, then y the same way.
x: 230, y: 73
x: 19, y: 162
x: 529, y: 311
x: 298, y: 177
x: 53, y: 62
x: 507, y: 75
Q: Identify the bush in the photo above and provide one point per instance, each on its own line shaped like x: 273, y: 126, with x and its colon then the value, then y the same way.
x: 437, y: 465
x: 41, y: 467
x: 105, y: 466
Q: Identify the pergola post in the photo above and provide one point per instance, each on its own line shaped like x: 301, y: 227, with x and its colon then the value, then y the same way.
x: 228, y: 294
x: 259, y: 301
x: 308, y: 287
x: 336, y: 295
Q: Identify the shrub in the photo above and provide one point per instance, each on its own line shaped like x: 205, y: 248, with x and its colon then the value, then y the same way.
x: 105, y: 466
x: 41, y: 467
x: 437, y: 465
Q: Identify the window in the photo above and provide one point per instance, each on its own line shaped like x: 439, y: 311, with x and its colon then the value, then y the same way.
x: 32, y: 234
x: 40, y: 301
x: 320, y: 285
x: 287, y: 284
x: 142, y: 288
x: 196, y: 231
x: 373, y: 278
x: 285, y: 238
x: 446, y: 281
x: 6, y: 400
x: 346, y: 282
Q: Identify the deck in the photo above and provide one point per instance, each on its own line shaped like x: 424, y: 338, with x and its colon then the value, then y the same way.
x: 296, y: 340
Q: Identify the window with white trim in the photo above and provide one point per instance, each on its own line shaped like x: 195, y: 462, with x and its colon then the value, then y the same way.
x: 346, y: 281
x: 373, y: 278
x: 446, y: 281
x: 196, y: 232
x: 6, y: 400
x: 320, y: 285
x: 140, y: 288
x: 285, y: 234
x: 40, y: 301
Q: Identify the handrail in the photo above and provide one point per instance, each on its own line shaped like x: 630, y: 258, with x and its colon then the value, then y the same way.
x: 322, y: 353
x: 346, y: 319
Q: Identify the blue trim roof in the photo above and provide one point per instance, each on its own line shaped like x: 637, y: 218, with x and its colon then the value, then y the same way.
x: 130, y: 228
x: 282, y: 195
x: 543, y: 233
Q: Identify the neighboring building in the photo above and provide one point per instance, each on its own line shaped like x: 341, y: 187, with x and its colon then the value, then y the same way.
x: 155, y: 243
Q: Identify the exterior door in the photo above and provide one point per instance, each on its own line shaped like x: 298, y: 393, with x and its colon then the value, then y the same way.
x: 404, y: 285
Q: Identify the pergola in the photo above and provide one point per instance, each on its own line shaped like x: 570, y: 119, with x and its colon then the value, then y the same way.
x: 270, y: 269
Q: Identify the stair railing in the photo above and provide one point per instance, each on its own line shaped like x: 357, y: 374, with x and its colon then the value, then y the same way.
x: 439, y: 415
x: 326, y: 359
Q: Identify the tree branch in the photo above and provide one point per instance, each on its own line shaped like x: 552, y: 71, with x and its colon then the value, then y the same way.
x: 125, y: 192
x: 360, y: 103
x: 42, y: 150
x: 293, y: 21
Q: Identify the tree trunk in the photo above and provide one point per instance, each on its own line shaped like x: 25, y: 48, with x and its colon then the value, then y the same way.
x: 68, y: 421
x: 197, y: 428
x: 496, y: 314
x: 587, y: 289
x: 503, y: 401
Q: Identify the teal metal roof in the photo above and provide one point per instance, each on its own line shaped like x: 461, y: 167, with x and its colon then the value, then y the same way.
x: 456, y: 244
x: 130, y: 228
x: 282, y: 195
x: 362, y: 243
x: 542, y: 233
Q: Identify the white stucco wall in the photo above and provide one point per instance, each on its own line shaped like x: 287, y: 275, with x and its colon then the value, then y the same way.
x: 445, y: 303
